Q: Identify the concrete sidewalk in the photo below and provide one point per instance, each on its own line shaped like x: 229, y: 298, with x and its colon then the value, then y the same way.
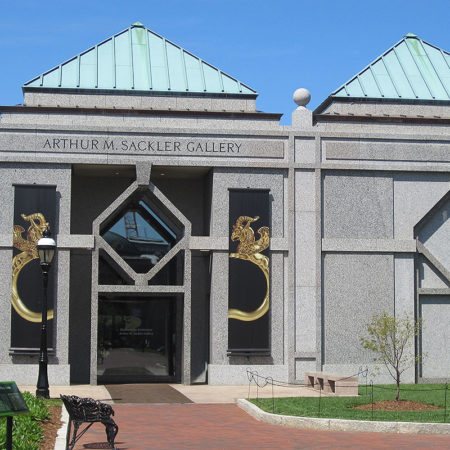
x: 81, y: 390
x: 195, y: 393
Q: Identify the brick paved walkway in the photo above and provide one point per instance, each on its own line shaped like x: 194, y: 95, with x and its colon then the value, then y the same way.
x: 226, y: 426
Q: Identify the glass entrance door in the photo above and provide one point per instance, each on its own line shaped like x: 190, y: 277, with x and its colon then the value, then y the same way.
x: 137, y: 340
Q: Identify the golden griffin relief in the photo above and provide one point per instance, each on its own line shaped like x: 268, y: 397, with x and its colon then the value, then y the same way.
x: 250, y: 250
x: 28, y: 252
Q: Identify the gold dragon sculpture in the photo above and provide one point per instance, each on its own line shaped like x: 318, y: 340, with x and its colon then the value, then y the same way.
x: 249, y: 249
x: 28, y: 248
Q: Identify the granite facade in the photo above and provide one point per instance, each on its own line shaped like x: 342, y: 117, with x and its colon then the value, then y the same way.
x: 24, y: 366
x: 359, y: 225
x: 435, y: 311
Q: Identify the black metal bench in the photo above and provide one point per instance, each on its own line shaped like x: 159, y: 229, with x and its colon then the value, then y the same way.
x: 88, y: 410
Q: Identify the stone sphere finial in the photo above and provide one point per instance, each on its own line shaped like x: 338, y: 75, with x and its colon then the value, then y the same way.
x: 302, y: 97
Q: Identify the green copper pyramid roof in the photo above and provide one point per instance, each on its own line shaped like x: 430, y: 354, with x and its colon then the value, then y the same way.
x: 137, y: 59
x: 412, y: 69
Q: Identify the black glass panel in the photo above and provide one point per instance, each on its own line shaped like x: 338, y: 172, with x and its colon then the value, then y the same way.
x: 140, y: 237
x: 171, y: 274
x: 136, y: 340
x: 108, y: 273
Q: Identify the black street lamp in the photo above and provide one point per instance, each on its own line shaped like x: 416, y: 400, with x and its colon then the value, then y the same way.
x: 46, y: 247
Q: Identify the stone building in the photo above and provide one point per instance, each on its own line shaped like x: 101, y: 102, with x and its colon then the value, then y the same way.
x: 146, y: 148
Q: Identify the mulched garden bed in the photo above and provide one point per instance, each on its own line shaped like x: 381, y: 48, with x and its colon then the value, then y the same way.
x: 401, y: 405
x: 51, y: 428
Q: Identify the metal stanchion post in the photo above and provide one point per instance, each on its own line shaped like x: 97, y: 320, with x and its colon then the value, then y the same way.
x: 273, y: 398
x: 371, y: 394
x: 445, y: 402
x: 320, y: 397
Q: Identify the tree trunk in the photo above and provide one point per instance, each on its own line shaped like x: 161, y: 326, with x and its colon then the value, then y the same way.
x: 397, y: 395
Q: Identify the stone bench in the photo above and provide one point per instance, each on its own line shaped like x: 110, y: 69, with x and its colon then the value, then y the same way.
x: 332, y: 383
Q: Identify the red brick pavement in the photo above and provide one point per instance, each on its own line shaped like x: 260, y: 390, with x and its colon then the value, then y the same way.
x: 226, y: 426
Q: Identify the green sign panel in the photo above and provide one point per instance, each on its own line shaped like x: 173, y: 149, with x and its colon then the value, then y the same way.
x: 11, y: 400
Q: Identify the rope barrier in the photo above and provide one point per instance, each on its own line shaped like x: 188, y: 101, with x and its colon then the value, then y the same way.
x: 261, y: 382
x: 252, y: 374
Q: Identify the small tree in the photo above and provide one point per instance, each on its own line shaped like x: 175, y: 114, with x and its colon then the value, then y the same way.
x: 389, y: 338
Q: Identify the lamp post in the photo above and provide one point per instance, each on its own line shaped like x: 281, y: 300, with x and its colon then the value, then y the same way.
x: 46, y: 247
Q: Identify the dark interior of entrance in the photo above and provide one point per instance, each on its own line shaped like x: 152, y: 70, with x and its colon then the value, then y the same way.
x: 137, y: 340
x: 94, y: 188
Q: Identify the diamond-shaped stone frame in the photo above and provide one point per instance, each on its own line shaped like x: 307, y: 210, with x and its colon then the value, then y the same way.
x: 150, y: 193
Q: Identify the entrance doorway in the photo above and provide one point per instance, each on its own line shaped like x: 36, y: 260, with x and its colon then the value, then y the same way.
x: 137, y: 340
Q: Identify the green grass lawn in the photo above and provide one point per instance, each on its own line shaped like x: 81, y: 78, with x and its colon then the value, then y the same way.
x: 344, y: 407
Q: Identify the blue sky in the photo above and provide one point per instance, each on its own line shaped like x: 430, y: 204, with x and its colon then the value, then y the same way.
x: 274, y: 47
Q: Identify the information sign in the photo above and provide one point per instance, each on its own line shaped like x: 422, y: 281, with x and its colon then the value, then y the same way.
x: 11, y: 400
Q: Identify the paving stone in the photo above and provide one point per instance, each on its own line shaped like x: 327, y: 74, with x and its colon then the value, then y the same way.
x: 226, y: 426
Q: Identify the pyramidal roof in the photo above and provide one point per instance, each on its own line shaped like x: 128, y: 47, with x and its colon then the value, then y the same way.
x: 412, y: 70
x: 137, y: 59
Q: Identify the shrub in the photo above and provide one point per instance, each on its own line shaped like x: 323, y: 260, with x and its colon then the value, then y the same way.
x: 27, y: 431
